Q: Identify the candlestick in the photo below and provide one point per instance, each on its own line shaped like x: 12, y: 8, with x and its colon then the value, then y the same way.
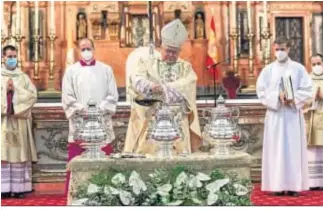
x: 4, y: 38
x: 18, y: 38
x: 52, y: 17
x: 250, y: 37
x: 234, y: 37
x: 266, y: 36
x: 36, y: 38
x: 52, y: 37
x: 251, y: 76
x: 51, y: 92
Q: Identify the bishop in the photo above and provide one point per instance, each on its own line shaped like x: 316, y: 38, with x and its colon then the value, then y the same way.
x: 175, y: 80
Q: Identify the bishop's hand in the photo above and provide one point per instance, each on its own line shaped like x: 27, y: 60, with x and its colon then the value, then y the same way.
x: 157, y: 89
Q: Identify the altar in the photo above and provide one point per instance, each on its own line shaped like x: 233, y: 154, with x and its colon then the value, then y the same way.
x: 51, y: 130
x: 82, y: 169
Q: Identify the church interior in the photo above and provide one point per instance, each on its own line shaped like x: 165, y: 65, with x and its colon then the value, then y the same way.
x: 239, y: 41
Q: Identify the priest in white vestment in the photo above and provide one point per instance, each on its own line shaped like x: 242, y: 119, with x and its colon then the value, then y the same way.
x: 86, y: 80
x: 173, y: 78
x: 18, y: 151
x: 315, y: 126
x: 284, y: 159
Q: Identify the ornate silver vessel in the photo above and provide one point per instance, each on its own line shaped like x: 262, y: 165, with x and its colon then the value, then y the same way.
x: 90, y: 131
x: 164, y: 131
x: 222, y: 129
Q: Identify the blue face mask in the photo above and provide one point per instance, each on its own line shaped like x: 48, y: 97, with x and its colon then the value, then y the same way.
x: 11, y: 62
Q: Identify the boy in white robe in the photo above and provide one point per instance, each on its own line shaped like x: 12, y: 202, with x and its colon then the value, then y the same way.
x: 284, y: 160
x: 86, y: 80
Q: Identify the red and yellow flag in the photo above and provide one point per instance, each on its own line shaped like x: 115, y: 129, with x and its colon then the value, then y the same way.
x: 212, y: 57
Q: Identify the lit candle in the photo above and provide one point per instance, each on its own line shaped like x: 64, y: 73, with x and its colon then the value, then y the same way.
x: 36, y: 16
x: 234, y: 14
x: 265, y: 14
x: 249, y: 15
x: 52, y: 16
x: 17, y: 17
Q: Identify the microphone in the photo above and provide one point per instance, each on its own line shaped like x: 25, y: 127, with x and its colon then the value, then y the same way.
x: 216, y: 64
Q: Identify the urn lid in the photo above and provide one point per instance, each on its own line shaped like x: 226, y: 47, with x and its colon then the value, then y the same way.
x: 91, y: 103
x: 220, y: 107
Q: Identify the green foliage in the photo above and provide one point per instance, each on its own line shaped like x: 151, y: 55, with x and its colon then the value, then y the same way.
x: 178, y: 186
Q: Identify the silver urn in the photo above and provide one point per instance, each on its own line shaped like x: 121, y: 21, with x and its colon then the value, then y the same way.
x: 222, y: 129
x: 164, y: 130
x: 90, y: 131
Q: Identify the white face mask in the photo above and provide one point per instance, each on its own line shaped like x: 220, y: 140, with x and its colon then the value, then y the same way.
x: 318, y: 70
x: 87, y: 55
x: 281, y: 55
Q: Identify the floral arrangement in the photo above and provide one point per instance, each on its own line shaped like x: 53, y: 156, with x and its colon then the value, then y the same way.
x: 164, y: 187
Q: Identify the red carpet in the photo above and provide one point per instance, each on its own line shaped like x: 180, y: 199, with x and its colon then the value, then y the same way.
x: 259, y: 198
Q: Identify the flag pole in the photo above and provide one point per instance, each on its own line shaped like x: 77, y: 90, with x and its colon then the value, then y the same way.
x: 151, y: 35
x: 214, y: 68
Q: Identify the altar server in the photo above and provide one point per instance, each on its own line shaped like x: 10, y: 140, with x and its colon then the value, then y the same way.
x: 315, y: 129
x: 86, y: 80
x: 284, y: 159
x: 173, y: 78
x: 18, y: 95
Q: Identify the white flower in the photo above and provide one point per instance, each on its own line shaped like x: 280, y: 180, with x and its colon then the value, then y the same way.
x: 126, y: 197
x: 118, y: 179
x: 202, y: 177
x: 136, y: 183
x: 91, y: 189
x: 108, y: 190
x: 240, y: 189
x: 175, y: 203
x: 79, y: 202
x: 195, y: 199
x: 193, y: 182
x: 212, y: 198
x: 181, y: 178
x: 164, y: 189
x: 216, y: 185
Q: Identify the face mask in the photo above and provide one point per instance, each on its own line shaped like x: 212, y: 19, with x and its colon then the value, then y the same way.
x: 318, y: 70
x: 87, y: 55
x: 11, y: 62
x: 281, y: 55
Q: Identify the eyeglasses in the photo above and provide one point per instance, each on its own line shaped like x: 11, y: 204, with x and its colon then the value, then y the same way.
x: 12, y: 56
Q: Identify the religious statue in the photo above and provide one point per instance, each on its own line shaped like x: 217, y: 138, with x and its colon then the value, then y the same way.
x: 199, y: 27
x: 81, y: 25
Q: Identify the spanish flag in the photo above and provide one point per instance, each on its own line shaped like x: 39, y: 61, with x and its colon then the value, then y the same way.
x: 212, y: 57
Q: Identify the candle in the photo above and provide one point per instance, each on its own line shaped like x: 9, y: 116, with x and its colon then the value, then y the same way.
x: 36, y: 16
x: 3, y: 28
x: 52, y: 16
x: 265, y: 15
x: 17, y: 17
x: 234, y: 14
x: 249, y: 15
